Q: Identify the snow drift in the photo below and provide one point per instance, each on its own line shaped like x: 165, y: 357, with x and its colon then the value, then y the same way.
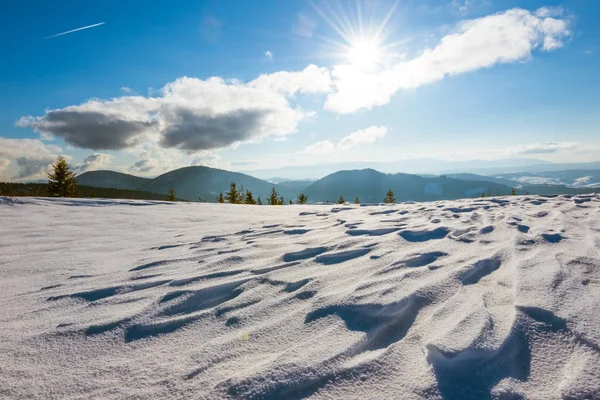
x: 471, y: 299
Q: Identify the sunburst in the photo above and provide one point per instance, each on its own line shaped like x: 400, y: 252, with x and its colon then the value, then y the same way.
x: 361, y: 44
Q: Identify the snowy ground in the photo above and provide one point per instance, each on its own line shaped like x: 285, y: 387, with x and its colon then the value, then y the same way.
x: 473, y: 299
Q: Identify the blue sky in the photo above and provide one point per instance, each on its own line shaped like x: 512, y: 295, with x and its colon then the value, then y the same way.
x: 249, y: 85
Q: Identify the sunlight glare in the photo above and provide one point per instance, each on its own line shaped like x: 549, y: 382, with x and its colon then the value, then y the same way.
x: 364, y: 53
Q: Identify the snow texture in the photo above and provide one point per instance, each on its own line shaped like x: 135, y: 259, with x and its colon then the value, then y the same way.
x: 491, y: 298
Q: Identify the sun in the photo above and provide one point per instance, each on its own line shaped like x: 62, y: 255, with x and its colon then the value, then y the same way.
x: 364, y: 53
x: 362, y: 37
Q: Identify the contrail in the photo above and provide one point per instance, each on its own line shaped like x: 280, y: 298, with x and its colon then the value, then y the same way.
x: 74, y: 30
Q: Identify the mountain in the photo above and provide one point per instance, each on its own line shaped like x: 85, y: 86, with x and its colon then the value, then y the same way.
x: 188, y: 182
x: 296, y: 185
x: 574, y: 178
x: 191, y: 182
x: 533, y: 168
x: 112, y: 179
x: 484, y: 178
x: 370, y: 186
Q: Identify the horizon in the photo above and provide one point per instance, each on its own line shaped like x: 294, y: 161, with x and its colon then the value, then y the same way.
x: 254, y: 88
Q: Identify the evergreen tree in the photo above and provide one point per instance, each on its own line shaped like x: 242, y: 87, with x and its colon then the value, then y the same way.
x: 281, y: 201
x: 513, y: 192
x: 302, y: 199
x: 341, y: 200
x: 291, y: 202
x: 273, y: 198
x: 220, y: 198
x: 389, y: 197
x: 259, y: 201
x: 233, y: 196
x: 249, y: 198
x: 171, y: 196
x: 483, y: 194
x: 61, y: 181
x: 201, y: 200
x: 356, y: 201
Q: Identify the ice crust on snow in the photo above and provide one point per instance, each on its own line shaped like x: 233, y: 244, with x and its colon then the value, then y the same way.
x: 489, y: 298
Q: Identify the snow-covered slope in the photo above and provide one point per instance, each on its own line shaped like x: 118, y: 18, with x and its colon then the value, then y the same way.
x: 473, y: 299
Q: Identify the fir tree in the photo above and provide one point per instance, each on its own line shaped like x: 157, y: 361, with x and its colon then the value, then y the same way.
x: 483, y: 194
x: 201, y: 200
x: 249, y: 198
x: 273, y: 198
x: 233, y: 196
x: 220, y: 198
x: 513, y: 192
x: 356, y: 200
x: 259, y: 201
x: 61, y: 181
x: 302, y: 199
x: 389, y: 197
x: 291, y: 202
x: 341, y: 200
x: 281, y: 201
x: 171, y: 196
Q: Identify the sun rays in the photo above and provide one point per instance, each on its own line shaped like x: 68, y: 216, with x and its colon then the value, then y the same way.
x: 363, y: 41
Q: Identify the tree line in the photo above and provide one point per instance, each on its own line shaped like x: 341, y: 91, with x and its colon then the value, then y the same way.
x: 237, y: 195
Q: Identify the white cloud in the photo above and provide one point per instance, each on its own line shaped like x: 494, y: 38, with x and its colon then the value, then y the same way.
x: 210, y: 159
x: 3, y: 166
x: 152, y: 160
x: 363, y: 136
x: 543, y: 147
x: 320, y: 148
x: 312, y: 79
x: 269, y: 55
x: 125, y: 89
x: 190, y: 114
x: 94, y: 162
x: 32, y: 157
x: 46, y: 137
x: 506, y: 37
x: 545, y: 12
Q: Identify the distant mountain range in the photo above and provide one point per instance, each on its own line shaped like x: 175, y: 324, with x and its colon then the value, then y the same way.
x: 574, y: 178
x: 423, y: 166
x: 368, y: 185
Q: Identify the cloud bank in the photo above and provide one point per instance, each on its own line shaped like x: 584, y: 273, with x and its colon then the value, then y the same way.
x: 190, y: 114
x: 506, y: 37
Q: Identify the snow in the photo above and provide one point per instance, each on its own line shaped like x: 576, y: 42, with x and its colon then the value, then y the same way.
x: 469, y: 299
